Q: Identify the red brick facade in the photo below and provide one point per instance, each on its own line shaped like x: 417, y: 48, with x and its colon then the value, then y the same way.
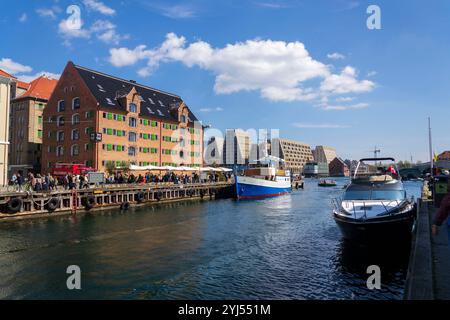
x: 126, y: 134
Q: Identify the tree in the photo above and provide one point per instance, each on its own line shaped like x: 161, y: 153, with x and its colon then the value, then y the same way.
x: 110, y: 167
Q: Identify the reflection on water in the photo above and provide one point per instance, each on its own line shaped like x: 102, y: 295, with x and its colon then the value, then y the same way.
x: 282, y: 248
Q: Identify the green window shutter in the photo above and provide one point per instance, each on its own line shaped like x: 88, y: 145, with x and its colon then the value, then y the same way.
x: 109, y: 147
x: 109, y: 131
x: 40, y: 120
x: 39, y: 133
x: 109, y: 116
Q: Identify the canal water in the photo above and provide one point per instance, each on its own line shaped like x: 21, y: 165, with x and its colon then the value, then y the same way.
x: 282, y: 248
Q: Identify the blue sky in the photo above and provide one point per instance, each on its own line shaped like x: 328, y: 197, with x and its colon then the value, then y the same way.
x: 309, y: 68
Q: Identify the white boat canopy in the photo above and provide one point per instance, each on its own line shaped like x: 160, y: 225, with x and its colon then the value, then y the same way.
x: 269, y: 159
x: 181, y: 168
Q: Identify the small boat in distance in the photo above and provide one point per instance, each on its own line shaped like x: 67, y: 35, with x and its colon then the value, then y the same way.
x: 375, y: 207
x: 265, y: 179
x: 327, y: 183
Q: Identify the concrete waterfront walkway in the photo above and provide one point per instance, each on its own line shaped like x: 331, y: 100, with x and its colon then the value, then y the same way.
x: 429, y: 268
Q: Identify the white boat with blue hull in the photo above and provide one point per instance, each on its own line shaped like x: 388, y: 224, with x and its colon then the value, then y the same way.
x: 263, y: 180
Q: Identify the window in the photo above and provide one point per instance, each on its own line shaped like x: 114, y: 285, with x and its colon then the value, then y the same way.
x: 183, y: 118
x: 76, y: 119
x: 59, y: 151
x: 60, y: 136
x: 133, y: 107
x: 76, y: 103
x: 132, y: 122
x: 39, y: 134
x: 100, y: 88
x: 110, y: 102
x: 39, y: 119
x: 75, y: 134
x: 74, y: 150
x: 132, y: 151
x: 60, y: 121
x: 61, y: 106
x: 87, y: 147
x: 132, y: 136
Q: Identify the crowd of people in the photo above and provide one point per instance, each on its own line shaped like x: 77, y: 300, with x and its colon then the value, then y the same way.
x: 170, y: 177
x: 47, y: 182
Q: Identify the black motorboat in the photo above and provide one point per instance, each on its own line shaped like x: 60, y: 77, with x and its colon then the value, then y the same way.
x: 375, y: 206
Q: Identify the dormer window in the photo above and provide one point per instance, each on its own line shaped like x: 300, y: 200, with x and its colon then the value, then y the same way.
x: 183, y: 118
x: 132, y: 107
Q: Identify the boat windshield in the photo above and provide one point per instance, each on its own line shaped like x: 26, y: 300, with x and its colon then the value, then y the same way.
x: 375, y: 195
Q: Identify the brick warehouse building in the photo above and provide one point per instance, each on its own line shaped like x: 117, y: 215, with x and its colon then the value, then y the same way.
x: 94, y: 118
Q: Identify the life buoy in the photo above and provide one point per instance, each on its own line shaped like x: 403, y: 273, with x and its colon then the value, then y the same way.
x: 14, y: 205
x: 140, y: 196
x: 89, y: 202
x: 53, y: 204
x: 124, y: 206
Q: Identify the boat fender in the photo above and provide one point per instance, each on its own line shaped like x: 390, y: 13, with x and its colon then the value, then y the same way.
x: 14, y: 205
x: 140, y: 197
x: 159, y: 195
x: 124, y: 205
x: 89, y: 202
x: 52, y: 204
x: 202, y: 193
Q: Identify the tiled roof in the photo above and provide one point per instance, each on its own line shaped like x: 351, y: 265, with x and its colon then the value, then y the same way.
x: 445, y: 154
x: 22, y: 85
x: 5, y: 74
x: 106, y: 88
x: 41, y: 88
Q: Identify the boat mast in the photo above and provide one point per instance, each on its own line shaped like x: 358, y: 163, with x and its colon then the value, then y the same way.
x: 430, y: 146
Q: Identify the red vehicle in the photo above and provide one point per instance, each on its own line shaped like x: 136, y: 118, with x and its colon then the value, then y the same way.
x: 61, y: 169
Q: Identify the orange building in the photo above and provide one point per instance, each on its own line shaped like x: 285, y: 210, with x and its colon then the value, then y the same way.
x: 26, y: 123
x: 101, y: 120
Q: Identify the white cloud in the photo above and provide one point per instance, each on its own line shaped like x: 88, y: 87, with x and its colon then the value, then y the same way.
x: 104, y: 30
x: 361, y: 105
x: 277, y: 69
x: 319, y: 126
x: 346, y: 82
x: 218, y: 109
x: 23, y: 17
x: 69, y: 32
x: 335, y: 56
x: 31, y: 77
x: 99, y: 7
x: 372, y: 73
x: 120, y: 57
x: 272, y: 5
x: 13, y: 67
x: 46, y: 13
x: 345, y: 99
x: 177, y: 11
